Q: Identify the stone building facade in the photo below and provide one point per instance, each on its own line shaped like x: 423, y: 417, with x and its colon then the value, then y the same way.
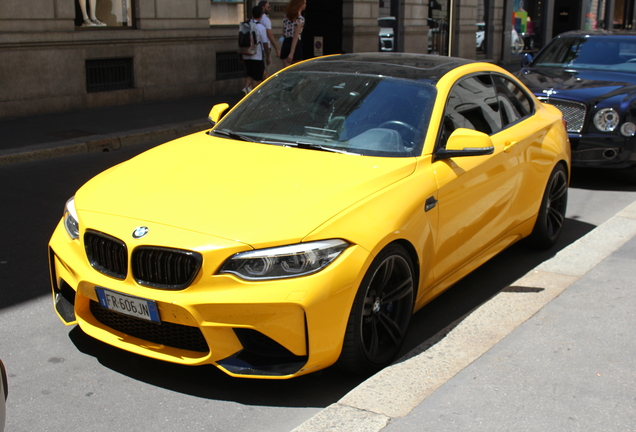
x: 52, y: 60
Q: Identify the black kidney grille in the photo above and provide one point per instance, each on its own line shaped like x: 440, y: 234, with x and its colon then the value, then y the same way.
x: 168, y: 334
x: 165, y: 268
x: 106, y: 254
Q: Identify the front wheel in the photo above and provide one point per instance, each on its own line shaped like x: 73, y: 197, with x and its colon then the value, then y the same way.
x: 551, y: 217
x: 380, y: 314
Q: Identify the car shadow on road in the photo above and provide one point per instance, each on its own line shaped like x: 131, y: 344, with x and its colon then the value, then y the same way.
x: 319, y: 389
x: 323, y: 388
x: 603, y: 180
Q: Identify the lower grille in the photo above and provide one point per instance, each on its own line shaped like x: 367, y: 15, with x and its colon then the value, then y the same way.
x: 168, y: 334
x: 573, y: 112
x: 595, y: 155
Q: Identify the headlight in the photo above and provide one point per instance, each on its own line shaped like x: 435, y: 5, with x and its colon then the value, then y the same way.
x: 628, y: 129
x: 284, y: 262
x: 606, y: 120
x: 70, y: 219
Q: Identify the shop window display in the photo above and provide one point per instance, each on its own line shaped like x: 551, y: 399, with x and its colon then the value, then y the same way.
x: 482, y: 19
x: 527, y: 20
x: 104, y: 13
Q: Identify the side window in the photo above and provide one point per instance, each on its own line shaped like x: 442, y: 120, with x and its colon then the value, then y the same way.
x: 472, y: 104
x: 513, y: 102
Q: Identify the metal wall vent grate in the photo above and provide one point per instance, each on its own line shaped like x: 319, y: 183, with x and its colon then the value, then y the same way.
x: 109, y: 74
x: 229, y: 66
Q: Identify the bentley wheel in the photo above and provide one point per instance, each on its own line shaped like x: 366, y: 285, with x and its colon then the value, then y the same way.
x: 380, y: 314
x: 551, y: 217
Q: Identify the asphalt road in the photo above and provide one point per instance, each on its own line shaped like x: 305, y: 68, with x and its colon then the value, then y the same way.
x: 60, y: 379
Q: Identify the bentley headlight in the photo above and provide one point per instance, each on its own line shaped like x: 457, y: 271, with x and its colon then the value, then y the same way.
x: 70, y: 219
x: 628, y: 129
x: 606, y: 120
x: 284, y: 262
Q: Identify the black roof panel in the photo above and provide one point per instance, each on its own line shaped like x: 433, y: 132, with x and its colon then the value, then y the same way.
x: 419, y: 67
x: 598, y: 32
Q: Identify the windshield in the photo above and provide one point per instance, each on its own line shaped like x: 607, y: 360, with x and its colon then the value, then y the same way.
x: 354, y: 113
x: 590, y: 52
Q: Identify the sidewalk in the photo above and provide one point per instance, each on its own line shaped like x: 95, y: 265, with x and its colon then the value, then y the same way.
x: 555, y: 351
x: 104, y: 129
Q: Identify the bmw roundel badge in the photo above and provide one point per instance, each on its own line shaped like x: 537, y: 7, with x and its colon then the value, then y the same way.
x: 140, y: 232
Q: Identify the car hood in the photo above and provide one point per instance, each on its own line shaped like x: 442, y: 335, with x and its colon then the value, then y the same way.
x: 257, y: 194
x: 578, y: 85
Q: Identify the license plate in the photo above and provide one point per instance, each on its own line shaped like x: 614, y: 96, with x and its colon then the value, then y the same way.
x: 128, y: 305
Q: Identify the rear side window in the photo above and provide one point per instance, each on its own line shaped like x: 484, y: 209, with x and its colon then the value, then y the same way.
x: 473, y: 104
x: 514, y: 103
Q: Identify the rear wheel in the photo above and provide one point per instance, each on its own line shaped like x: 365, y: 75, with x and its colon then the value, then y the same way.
x: 551, y: 217
x: 380, y: 314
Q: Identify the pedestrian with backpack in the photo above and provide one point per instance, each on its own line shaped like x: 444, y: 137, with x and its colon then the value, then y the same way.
x: 255, y: 63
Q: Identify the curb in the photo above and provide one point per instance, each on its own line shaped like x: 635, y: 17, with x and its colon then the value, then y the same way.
x: 395, y: 391
x: 101, y: 143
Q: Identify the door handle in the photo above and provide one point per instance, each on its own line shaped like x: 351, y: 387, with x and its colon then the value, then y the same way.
x: 431, y: 202
x: 508, y: 147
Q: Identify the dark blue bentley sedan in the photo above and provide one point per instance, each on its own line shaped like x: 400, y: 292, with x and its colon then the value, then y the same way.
x: 591, y: 77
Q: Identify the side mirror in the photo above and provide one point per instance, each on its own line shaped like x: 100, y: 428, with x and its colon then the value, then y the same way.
x: 465, y: 142
x: 217, y: 112
x: 525, y: 60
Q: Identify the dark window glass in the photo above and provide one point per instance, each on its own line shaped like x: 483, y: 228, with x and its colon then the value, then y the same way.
x: 472, y: 104
x: 594, y: 52
x: 513, y: 102
x: 365, y: 114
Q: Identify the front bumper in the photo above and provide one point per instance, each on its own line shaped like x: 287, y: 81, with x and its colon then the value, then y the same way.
x: 603, y: 151
x: 269, y: 329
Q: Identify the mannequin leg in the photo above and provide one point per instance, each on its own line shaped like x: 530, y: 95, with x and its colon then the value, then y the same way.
x: 82, y: 5
x: 97, y: 22
x: 93, y: 5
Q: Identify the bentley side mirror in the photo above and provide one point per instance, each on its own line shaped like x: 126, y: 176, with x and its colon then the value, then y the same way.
x: 525, y: 60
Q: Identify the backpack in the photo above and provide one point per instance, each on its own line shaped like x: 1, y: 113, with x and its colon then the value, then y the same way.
x: 248, y: 38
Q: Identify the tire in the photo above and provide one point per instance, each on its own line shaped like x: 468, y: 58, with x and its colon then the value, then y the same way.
x: 380, y: 314
x: 549, y: 224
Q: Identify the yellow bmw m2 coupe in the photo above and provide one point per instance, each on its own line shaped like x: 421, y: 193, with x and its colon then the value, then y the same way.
x: 317, y: 215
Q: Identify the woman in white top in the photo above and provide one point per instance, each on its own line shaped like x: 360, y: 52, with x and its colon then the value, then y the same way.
x: 293, y: 23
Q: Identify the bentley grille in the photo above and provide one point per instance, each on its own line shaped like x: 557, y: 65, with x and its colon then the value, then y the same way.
x: 573, y: 112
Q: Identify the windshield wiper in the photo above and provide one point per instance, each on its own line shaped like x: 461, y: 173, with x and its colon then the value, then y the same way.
x: 312, y: 146
x: 233, y: 135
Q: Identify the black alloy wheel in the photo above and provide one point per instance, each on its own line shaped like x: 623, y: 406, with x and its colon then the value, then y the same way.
x: 381, y: 313
x: 551, y: 217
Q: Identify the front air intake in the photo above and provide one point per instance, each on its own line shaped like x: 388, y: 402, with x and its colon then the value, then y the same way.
x: 106, y: 254
x: 165, y: 268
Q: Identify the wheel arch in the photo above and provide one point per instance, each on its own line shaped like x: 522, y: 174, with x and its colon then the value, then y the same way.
x: 410, y: 249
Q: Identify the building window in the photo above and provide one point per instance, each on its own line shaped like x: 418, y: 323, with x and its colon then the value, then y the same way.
x: 482, y: 22
x: 527, y: 26
x: 229, y: 66
x: 224, y: 12
x: 109, y: 75
x: 104, y: 13
x: 595, y: 15
x: 438, y: 20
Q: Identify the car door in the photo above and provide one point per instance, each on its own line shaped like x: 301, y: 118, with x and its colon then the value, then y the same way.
x: 474, y: 191
x: 523, y: 134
